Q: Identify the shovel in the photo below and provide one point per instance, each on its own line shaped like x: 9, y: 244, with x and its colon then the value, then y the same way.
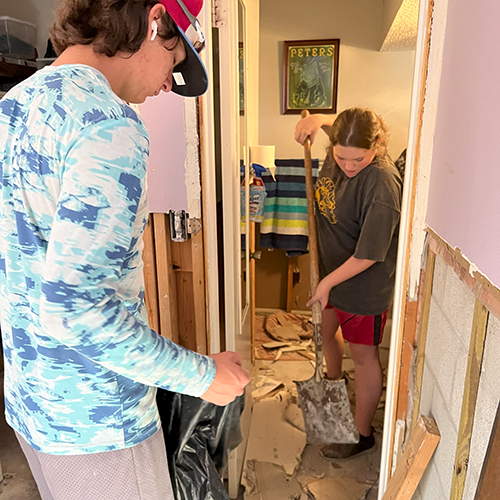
x: 324, y: 403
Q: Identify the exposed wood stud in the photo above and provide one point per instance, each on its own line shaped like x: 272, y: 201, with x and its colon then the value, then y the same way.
x: 422, y: 334
x: 409, y: 336
x: 150, y: 284
x: 471, y: 388
x: 489, y: 481
x: 167, y: 296
x: 198, y: 277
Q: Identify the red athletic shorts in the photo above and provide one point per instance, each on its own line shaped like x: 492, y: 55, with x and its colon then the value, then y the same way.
x: 358, y: 329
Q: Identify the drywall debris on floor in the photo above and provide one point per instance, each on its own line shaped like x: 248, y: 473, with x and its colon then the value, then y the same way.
x: 266, y: 387
x: 271, y: 482
x: 272, y: 441
x: 269, y: 445
x: 293, y: 414
x: 338, y: 488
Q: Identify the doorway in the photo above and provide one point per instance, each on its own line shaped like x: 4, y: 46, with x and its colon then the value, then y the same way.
x: 376, y: 70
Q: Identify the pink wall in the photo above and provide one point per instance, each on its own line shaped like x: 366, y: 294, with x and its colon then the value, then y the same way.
x: 164, y: 117
x: 464, y: 198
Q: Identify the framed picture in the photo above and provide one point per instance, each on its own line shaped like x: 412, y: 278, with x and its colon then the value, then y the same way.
x: 310, y: 76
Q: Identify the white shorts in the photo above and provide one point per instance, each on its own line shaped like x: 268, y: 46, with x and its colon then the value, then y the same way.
x: 136, y: 473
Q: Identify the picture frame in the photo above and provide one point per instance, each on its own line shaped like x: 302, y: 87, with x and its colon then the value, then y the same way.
x: 310, y: 76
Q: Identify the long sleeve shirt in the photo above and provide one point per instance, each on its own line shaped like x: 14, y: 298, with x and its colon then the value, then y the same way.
x: 81, y: 363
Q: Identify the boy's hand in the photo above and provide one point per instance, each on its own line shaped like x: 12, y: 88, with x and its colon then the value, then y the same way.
x: 230, y: 379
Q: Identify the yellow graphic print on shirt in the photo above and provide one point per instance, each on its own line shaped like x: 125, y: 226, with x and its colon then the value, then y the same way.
x: 325, y: 197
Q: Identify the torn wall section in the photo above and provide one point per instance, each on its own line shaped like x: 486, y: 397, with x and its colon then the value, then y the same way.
x: 445, y: 371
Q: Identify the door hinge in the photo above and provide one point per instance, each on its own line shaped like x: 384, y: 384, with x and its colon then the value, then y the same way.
x: 181, y: 226
x: 220, y: 10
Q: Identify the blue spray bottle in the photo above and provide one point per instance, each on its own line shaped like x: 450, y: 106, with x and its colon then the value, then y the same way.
x: 258, y: 194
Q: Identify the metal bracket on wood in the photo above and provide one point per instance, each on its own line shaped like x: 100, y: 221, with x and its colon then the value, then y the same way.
x: 220, y: 12
x: 181, y: 226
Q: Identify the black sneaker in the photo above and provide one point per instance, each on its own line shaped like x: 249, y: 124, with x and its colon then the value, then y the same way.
x: 342, y: 451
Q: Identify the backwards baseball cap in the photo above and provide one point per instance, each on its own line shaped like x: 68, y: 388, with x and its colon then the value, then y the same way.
x: 190, y: 76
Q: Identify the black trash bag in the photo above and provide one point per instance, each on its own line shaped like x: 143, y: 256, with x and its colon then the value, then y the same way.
x: 198, y: 437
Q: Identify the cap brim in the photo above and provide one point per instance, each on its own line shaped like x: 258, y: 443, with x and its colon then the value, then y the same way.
x: 193, y: 79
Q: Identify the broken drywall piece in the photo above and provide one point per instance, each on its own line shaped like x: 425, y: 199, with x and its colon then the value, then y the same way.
x: 289, y: 332
x: 274, y: 484
x: 285, y: 326
x: 275, y: 345
x: 294, y: 348
x: 341, y: 487
x: 282, y: 318
x: 309, y: 355
x: 249, y: 481
x: 266, y: 387
x: 271, y: 441
x: 293, y: 414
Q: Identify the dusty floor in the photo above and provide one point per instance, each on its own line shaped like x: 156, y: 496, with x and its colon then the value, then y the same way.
x: 280, y: 466
x: 18, y: 483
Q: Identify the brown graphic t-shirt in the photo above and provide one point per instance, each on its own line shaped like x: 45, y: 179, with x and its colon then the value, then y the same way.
x: 359, y: 217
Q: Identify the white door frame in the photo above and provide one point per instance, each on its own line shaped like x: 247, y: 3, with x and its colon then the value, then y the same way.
x: 425, y: 94
x: 209, y: 198
x: 237, y: 319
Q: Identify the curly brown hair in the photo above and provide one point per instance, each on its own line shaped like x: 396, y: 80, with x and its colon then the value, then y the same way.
x: 360, y: 128
x: 111, y: 26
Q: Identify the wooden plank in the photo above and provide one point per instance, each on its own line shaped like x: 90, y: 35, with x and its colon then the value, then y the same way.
x: 200, y: 312
x: 167, y: 289
x: 183, y: 263
x: 489, y: 481
x: 209, y: 225
x: 422, y: 335
x: 150, y: 285
x: 187, y: 325
x: 409, y: 337
x: 476, y: 350
x: 410, y: 469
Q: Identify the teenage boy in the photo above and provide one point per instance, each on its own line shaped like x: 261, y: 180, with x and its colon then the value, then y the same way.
x: 81, y: 363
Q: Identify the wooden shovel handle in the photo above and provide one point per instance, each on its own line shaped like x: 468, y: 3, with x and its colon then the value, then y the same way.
x: 313, y: 240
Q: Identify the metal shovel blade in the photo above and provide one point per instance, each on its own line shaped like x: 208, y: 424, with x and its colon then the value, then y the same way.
x: 327, y: 412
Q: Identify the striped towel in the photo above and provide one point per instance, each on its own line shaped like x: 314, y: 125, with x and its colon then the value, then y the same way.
x: 285, y: 210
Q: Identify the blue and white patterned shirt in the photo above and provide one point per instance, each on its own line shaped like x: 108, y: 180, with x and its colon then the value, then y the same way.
x: 81, y: 363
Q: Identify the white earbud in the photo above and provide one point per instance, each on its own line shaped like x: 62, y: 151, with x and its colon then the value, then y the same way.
x: 154, y: 29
